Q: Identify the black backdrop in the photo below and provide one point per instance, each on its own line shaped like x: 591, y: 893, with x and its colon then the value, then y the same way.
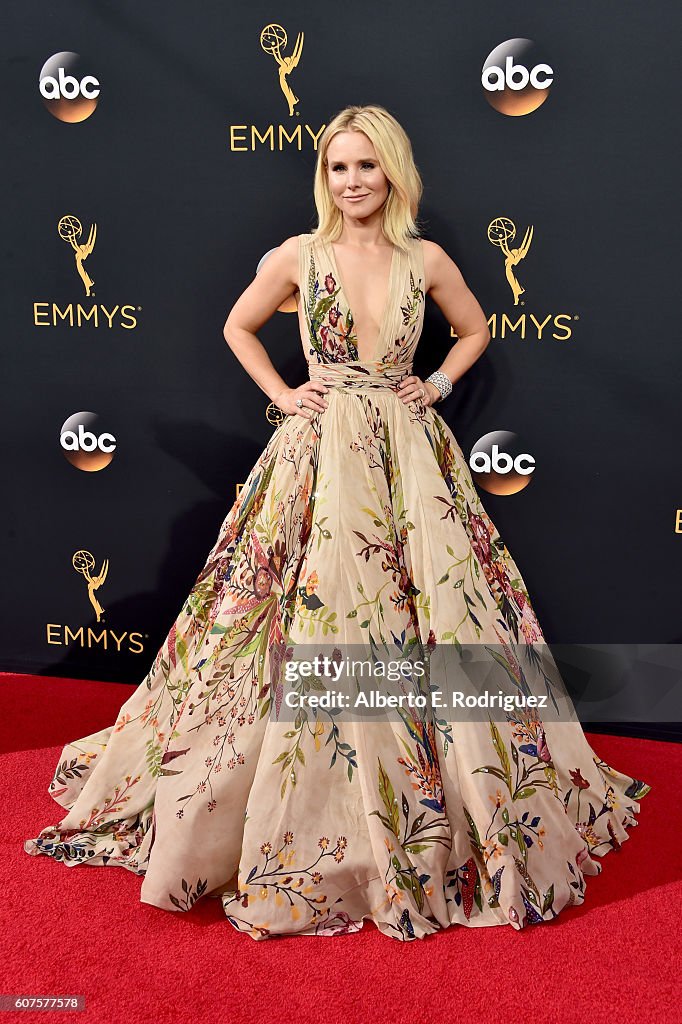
x: 185, y: 206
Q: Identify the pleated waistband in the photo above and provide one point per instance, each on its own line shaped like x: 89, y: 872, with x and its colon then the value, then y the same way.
x: 359, y: 376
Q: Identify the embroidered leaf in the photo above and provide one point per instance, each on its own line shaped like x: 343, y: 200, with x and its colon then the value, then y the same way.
x: 501, y: 753
x: 390, y: 802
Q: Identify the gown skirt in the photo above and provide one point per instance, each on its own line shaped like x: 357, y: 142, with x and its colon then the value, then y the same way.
x: 357, y: 529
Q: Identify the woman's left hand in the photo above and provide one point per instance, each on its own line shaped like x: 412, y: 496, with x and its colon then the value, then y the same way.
x: 413, y: 389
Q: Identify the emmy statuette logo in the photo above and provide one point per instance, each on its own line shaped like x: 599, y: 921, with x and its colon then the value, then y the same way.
x: 70, y: 230
x: 274, y: 414
x: 83, y: 562
x: 501, y: 232
x: 273, y: 40
x: 247, y: 138
x: 90, y: 638
x: 76, y: 314
x: 522, y: 326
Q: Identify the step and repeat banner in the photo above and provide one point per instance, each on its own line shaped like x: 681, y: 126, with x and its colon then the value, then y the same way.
x: 154, y: 156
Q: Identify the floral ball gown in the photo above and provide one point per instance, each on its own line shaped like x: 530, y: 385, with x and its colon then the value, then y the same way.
x: 360, y: 525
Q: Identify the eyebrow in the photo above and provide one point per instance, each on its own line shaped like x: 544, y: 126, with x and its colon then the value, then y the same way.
x: 361, y: 160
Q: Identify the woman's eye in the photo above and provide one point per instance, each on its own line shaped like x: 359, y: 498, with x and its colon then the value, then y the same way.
x: 340, y: 167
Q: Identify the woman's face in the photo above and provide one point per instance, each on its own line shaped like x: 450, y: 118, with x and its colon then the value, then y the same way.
x: 358, y: 185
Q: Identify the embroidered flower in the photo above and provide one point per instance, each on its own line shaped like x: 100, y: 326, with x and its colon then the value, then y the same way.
x: 262, y: 583
x: 481, y: 541
x: 312, y: 583
x: 578, y: 780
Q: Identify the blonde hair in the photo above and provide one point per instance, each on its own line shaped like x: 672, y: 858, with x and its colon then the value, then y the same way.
x: 394, y: 153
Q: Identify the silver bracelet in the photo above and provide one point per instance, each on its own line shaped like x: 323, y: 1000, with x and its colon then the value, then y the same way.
x: 443, y: 383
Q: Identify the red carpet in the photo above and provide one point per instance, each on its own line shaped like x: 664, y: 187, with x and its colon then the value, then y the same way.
x: 83, y: 931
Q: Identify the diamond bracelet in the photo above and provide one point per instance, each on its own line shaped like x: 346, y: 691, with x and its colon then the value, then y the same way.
x: 443, y: 383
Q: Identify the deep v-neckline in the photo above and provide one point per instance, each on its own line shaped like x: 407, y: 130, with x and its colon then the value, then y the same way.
x: 386, y: 309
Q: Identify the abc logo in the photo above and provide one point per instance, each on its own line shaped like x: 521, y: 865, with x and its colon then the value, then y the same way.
x: 84, y: 444
x: 69, y: 92
x: 515, y: 81
x: 499, y: 464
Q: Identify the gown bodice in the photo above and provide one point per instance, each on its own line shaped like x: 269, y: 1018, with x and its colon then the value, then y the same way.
x: 326, y: 321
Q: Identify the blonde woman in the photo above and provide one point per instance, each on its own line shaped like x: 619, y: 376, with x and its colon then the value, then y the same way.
x: 359, y: 528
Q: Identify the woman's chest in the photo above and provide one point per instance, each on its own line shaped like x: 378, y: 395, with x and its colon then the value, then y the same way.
x: 364, y: 283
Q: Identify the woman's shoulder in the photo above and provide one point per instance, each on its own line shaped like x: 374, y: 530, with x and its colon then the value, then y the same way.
x: 298, y: 244
x: 293, y: 241
x: 429, y: 248
x: 439, y: 264
x: 432, y: 255
x: 292, y: 248
x: 433, y: 252
x: 297, y: 249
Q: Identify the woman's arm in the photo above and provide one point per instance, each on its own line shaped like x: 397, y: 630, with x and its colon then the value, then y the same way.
x: 447, y: 288
x: 275, y: 281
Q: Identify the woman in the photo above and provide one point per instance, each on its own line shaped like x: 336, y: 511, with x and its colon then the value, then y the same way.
x: 358, y: 212
x: 358, y: 527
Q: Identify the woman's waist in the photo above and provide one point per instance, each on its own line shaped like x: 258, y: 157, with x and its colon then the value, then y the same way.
x: 357, y: 376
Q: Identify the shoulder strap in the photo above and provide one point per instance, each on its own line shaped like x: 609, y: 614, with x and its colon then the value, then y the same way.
x: 418, y: 256
x: 305, y: 242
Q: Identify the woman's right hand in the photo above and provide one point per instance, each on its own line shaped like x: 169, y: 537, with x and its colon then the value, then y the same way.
x: 308, y: 393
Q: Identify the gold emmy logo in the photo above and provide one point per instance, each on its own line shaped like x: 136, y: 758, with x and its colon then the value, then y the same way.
x: 83, y: 562
x: 86, y: 314
x: 273, y: 39
x: 501, y: 232
x: 70, y: 229
x: 274, y: 414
